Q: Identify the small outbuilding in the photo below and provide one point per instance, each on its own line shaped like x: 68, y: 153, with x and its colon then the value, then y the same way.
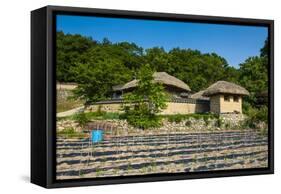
x: 225, y: 97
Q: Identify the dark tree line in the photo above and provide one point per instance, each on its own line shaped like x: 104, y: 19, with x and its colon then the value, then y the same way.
x: 97, y: 66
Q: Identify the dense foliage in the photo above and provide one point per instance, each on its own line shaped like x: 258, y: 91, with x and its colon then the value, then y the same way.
x: 143, y: 103
x: 254, y: 75
x: 97, y: 66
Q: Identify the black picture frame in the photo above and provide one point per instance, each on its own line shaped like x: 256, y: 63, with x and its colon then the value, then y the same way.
x: 43, y: 95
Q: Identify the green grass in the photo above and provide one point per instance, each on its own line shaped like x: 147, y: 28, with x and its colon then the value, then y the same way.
x: 70, y: 133
x: 103, y: 115
x: 93, y: 115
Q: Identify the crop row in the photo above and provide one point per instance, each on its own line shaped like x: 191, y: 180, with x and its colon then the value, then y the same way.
x: 165, y: 153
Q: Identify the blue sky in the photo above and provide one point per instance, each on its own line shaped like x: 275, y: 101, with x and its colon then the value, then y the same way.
x: 233, y: 42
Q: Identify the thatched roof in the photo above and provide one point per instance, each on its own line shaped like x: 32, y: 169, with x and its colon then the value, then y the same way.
x: 224, y: 87
x: 159, y: 77
x: 199, y: 95
x: 117, y: 87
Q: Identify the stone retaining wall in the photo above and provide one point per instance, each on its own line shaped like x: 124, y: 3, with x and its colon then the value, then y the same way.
x: 225, y: 121
x: 232, y: 119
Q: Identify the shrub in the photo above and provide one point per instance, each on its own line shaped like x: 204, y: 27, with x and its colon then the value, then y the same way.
x: 81, y: 119
x: 188, y: 123
x: 219, y: 122
x: 176, y: 118
x: 143, y: 121
x: 262, y: 114
x: 96, y: 115
x: 123, y: 116
x: 246, y: 107
x: 100, y: 112
x: 256, y: 116
x: 206, y: 120
x: 227, y: 126
x: 111, y: 115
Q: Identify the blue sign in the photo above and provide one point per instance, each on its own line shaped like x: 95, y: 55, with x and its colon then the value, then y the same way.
x: 97, y: 135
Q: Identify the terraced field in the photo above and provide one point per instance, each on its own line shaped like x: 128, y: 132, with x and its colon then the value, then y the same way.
x: 161, y: 153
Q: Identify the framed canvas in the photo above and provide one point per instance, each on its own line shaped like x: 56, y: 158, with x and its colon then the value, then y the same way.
x: 125, y: 96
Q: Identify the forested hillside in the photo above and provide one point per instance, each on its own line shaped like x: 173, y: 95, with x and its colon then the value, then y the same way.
x: 97, y: 66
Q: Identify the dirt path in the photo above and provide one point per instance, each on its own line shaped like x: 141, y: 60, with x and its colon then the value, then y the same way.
x: 70, y: 112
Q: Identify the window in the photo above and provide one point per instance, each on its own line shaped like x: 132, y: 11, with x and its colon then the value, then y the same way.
x: 226, y: 98
x: 236, y: 98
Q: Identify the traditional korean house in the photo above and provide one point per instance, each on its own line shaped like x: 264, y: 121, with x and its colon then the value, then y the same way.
x: 221, y: 97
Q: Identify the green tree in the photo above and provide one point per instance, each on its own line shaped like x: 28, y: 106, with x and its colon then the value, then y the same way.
x: 96, y: 79
x: 147, y: 99
x: 70, y: 52
x: 196, y: 69
x: 158, y: 59
x: 264, y: 49
x: 254, y: 75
